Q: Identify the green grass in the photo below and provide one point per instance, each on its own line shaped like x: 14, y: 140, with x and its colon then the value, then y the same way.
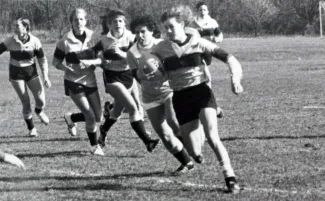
x: 274, y: 143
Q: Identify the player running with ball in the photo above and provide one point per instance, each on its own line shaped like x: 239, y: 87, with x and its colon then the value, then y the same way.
x: 193, y: 99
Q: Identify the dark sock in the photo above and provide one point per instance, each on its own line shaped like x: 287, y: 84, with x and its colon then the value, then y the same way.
x: 108, y: 124
x: 138, y: 127
x: 77, y: 117
x: 37, y: 110
x: 92, y: 138
x: 30, y: 124
x: 183, y: 157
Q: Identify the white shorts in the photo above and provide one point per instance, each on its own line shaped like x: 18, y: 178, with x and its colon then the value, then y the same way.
x: 156, y: 103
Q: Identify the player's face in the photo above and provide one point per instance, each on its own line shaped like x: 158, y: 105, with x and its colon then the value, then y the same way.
x: 203, y: 10
x: 118, y: 23
x: 79, y: 23
x: 143, y: 35
x: 174, y: 29
x: 19, y: 28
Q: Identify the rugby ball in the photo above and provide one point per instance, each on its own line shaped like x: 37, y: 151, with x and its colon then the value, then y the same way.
x: 152, y: 64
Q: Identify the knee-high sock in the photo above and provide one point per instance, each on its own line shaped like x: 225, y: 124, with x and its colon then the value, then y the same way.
x: 92, y: 136
x: 138, y: 127
x: 30, y: 123
x: 183, y: 157
x: 77, y: 117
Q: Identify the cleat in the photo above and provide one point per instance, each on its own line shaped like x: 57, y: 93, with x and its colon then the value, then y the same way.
x: 220, y: 113
x: 97, y: 150
x: 33, y: 133
x: 102, y: 136
x: 183, y: 169
x: 71, y: 125
x: 152, y: 144
x: 232, y: 185
x: 199, y: 159
x: 44, y: 119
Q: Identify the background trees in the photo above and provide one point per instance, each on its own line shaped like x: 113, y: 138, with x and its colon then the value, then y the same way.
x: 247, y: 17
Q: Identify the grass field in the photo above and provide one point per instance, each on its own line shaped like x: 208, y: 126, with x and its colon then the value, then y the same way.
x: 274, y: 133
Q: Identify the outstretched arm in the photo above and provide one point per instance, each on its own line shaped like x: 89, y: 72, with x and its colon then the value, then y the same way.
x: 236, y: 71
x: 12, y: 159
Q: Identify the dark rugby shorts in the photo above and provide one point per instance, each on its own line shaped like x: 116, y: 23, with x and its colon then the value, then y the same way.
x: 189, y: 102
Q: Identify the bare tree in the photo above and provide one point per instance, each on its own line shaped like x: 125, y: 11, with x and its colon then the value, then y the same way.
x: 256, y: 12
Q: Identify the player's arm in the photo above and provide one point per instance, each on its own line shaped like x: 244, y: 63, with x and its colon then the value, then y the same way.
x: 236, y: 71
x: 218, y: 35
x: 59, y: 56
x: 12, y: 159
x: 3, y: 48
x: 42, y: 61
x: 235, y: 68
x: 133, y: 66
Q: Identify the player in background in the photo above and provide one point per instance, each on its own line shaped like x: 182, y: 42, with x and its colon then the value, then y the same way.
x: 135, y: 91
x: 79, y: 78
x: 210, y: 30
x: 23, y: 48
x: 12, y: 159
x: 118, y: 78
x: 156, y: 93
x: 185, y: 70
x: 207, y: 26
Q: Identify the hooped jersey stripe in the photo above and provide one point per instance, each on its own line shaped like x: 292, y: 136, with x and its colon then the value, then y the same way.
x: 22, y: 54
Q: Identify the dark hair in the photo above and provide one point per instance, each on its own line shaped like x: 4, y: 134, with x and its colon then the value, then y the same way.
x: 25, y: 22
x: 114, y: 13
x: 180, y: 12
x: 201, y: 3
x: 147, y: 21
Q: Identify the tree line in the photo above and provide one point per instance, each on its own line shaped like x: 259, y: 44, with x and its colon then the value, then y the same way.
x: 239, y: 17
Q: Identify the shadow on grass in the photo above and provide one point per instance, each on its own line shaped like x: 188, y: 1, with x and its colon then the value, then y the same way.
x: 74, y: 153
x: 39, y: 139
x: 105, y: 185
x: 272, y: 137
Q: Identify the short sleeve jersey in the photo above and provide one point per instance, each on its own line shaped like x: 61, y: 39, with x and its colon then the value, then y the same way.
x: 69, y: 43
x: 116, y: 63
x: 22, y: 54
x: 184, y: 65
x: 153, y: 88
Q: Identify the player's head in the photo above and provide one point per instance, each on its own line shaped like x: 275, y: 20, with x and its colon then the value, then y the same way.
x: 202, y: 9
x: 175, y: 19
x: 145, y: 29
x: 78, y: 20
x: 22, y: 26
x: 116, y: 19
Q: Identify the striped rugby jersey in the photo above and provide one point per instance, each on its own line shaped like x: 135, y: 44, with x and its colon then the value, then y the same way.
x: 23, y: 54
x: 116, y: 63
x: 156, y: 87
x: 69, y: 43
x: 184, y: 65
x: 209, y: 24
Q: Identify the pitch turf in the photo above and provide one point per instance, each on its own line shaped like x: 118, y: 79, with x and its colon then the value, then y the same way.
x: 274, y: 133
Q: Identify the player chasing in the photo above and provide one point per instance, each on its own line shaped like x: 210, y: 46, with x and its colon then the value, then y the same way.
x: 23, y: 48
x: 79, y: 79
x: 156, y: 93
x: 182, y: 57
x: 118, y: 78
